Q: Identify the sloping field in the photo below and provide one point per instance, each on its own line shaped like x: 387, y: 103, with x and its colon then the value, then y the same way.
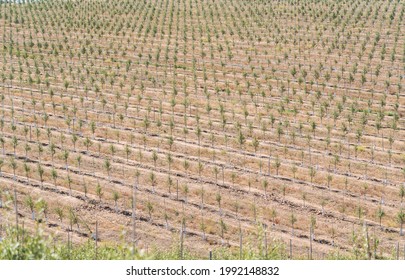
x: 208, y: 123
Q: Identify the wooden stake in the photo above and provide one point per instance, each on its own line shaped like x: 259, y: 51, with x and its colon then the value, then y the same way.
x: 397, y: 250
x: 375, y: 246
x: 96, y: 239
x: 68, y: 244
x: 240, y: 243
x: 16, y: 211
x: 181, y: 242
x: 265, y: 241
x: 291, y: 256
x: 22, y: 233
x: 368, y: 244
x: 310, y: 243
x: 134, y: 215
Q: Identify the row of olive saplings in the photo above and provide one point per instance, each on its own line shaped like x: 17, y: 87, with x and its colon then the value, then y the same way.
x: 83, y: 50
x: 39, y: 211
x: 322, y: 109
x: 41, y: 206
x: 87, y: 142
x: 107, y: 164
x: 150, y: 19
x: 108, y: 167
x: 313, y: 126
x: 318, y: 74
x: 314, y: 130
x: 255, y: 142
x: 294, y: 71
x: 99, y: 193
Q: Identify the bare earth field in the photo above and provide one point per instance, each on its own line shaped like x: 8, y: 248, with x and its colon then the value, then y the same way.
x: 213, y: 124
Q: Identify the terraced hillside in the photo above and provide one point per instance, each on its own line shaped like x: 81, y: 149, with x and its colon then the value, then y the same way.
x: 214, y: 124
